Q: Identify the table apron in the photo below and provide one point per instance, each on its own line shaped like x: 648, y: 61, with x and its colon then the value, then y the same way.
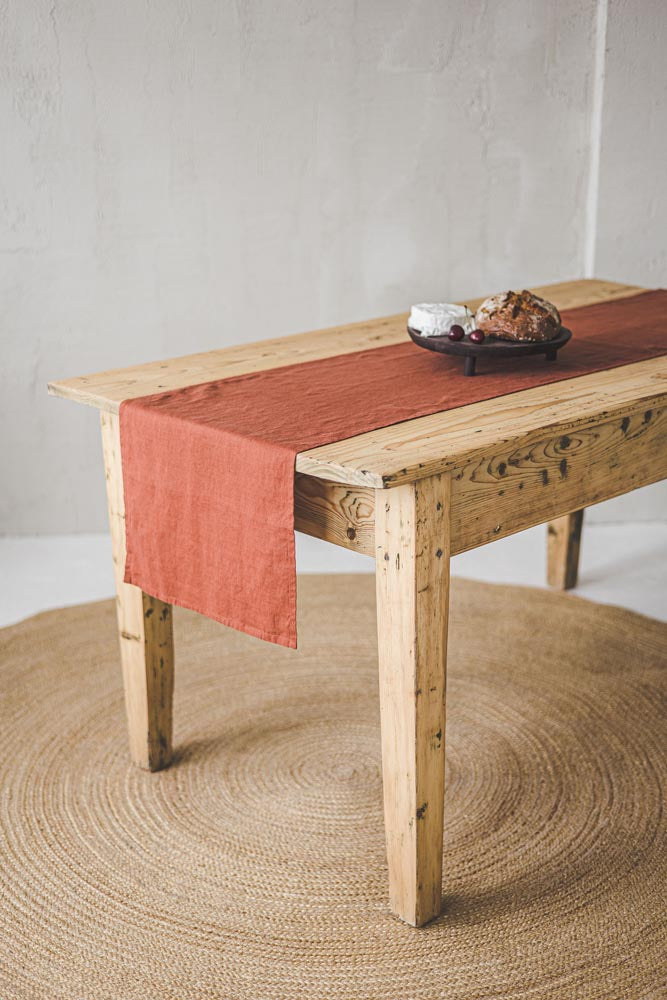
x: 519, y: 484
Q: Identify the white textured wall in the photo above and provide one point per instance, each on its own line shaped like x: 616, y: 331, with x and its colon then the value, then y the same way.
x: 631, y: 227
x: 176, y: 177
x: 631, y: 237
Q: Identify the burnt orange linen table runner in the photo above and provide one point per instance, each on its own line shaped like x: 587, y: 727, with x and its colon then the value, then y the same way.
x: 208, y: 470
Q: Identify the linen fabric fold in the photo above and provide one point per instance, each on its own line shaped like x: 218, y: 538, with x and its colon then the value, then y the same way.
x: 208, y: 470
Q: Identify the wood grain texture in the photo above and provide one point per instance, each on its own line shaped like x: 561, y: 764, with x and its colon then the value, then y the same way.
x: 563, y: 545
x: 543, y: 476
x: 144, y: 631
x: 444, y: 441
x: 517, y: 484
x: 412, y: 532
x: 344, y: 515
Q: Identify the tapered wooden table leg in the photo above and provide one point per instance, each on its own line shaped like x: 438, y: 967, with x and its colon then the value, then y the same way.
x: 563, y: 544
x: 412, y: 542
x: 145, y: 632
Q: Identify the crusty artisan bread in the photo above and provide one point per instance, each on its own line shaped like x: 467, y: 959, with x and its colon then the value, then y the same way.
x: 518, y: 316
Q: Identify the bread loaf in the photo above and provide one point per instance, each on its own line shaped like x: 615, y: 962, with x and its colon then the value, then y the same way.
x: 518, y: 316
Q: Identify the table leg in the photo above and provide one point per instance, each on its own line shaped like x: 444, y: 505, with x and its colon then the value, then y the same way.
x: 563, y: 543
x: 412, y: 545
x: 144, y: 629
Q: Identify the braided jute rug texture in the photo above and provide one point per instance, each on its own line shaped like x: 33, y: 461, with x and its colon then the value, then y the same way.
x: 255, y: 866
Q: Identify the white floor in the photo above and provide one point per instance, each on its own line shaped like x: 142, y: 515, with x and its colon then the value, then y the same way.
x: 624, y: 563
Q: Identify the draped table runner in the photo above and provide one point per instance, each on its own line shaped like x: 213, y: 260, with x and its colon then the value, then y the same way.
x: 208, y: 470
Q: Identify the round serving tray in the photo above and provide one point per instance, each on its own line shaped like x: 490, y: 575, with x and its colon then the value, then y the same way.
x: 491, y: 348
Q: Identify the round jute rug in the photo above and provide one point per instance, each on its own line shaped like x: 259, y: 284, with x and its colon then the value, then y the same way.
x: 255, y: 866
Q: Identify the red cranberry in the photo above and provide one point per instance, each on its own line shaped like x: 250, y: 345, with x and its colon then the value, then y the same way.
x: 477, y: 336
x: 456, y: 332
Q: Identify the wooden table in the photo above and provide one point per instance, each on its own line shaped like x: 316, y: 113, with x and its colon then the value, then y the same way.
x: 412, y: 495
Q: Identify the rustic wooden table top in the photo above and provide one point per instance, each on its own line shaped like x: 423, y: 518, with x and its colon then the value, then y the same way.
x: 415, y: 448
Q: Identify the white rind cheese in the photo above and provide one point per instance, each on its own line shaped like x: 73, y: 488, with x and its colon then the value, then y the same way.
x: 433, y: 319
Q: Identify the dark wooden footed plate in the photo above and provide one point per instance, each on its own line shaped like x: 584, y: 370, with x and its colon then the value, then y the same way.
x: 492, y: 347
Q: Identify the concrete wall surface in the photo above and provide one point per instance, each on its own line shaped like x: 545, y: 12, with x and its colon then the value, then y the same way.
x: 176, y: 177
x: 631, y: 219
